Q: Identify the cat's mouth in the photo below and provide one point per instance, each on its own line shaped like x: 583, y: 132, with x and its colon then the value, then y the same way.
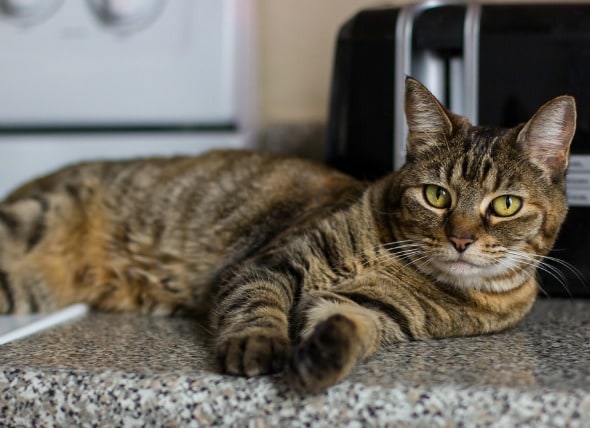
x: 461, y: 266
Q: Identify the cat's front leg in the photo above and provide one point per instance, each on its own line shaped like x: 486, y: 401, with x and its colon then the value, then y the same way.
x: 251, y: 318
x: 336, y: 334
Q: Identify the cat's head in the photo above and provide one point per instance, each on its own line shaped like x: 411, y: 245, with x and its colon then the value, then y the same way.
x: 480, y: 206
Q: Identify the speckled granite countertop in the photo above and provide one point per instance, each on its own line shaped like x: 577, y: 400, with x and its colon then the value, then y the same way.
x: 119, y: 370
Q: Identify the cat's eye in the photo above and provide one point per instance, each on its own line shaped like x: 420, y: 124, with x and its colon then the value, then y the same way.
x: 505, y: 206
x: 436, y: 196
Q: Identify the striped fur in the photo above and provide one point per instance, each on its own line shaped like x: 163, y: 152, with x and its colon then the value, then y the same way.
x: 294, y: 264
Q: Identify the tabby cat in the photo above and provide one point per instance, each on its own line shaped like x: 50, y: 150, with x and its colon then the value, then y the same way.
x: 299, y: 267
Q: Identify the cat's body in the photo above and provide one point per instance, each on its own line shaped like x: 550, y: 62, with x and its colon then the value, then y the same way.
x: 154, y: 235
x: 294, y: 262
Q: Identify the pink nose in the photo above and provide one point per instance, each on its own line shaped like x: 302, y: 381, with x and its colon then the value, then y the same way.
x: 461, y: 244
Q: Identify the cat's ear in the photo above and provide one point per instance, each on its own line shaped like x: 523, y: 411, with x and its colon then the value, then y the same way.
x: 547, y: 136
x: 426, y: 117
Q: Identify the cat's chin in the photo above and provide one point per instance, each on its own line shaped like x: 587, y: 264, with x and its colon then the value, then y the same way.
x: 462, y: 267
x: 469, y: 275
x: 458, y: 272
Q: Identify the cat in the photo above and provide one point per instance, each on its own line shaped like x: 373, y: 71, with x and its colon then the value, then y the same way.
x: 298, y: 267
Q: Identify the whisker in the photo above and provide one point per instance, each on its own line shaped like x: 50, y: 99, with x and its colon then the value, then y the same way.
x: 571, y: 268
x: 549, y: 270
x: 405, y: 241
x: 540, y: 263
x: 389, y: 255
x: 576, y: 272
x: 414, y: 262
x: 397, y: 249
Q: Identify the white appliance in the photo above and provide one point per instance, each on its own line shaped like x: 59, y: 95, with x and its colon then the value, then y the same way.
x: 98, y: 79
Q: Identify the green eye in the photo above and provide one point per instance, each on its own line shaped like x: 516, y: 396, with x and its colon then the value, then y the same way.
x: 437, y: 196
x: 505, y: 206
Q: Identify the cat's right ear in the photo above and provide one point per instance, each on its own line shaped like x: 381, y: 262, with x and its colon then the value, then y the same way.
x: 428, y: 121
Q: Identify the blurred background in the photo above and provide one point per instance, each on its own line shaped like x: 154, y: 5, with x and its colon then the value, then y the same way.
x: 85, y: 79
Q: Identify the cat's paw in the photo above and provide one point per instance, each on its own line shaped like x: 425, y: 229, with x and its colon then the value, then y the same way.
x: 252, y: 354
x: 326, y: 357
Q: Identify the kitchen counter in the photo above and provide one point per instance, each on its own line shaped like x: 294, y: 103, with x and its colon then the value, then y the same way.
x: 122, y: 370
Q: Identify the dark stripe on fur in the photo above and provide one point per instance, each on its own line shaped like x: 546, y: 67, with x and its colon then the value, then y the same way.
x: 485, y: 169
x: 283, y: 264
x: 447, y: 172
x: 10, y: 221
x: 33, y: 303
x: 42, y: 202
x: 465, y: 169
x: 36, y: 234
x: 323, y: 248
x: 73, y: 192
x: 357, y: 249
x: 7, y: 290
x: 391, y: 311
x: 238, y: 302
x: 38, y: 229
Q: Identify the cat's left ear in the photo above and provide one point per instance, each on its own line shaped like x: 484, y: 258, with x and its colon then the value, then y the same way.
x: 547, y: 136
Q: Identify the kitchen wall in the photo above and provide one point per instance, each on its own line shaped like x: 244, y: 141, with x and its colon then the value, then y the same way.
x: 296, y: 47
x: 296, y: 42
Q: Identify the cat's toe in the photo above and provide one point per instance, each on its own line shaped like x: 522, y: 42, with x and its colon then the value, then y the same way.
x: 252, y: 355
x: 326, y: 357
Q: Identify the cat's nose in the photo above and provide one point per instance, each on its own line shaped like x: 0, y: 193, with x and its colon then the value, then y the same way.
x: 461, y: 243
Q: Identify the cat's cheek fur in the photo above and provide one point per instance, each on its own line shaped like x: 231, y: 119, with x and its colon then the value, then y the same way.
x: 526, y: 229
x: 417, y: 218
